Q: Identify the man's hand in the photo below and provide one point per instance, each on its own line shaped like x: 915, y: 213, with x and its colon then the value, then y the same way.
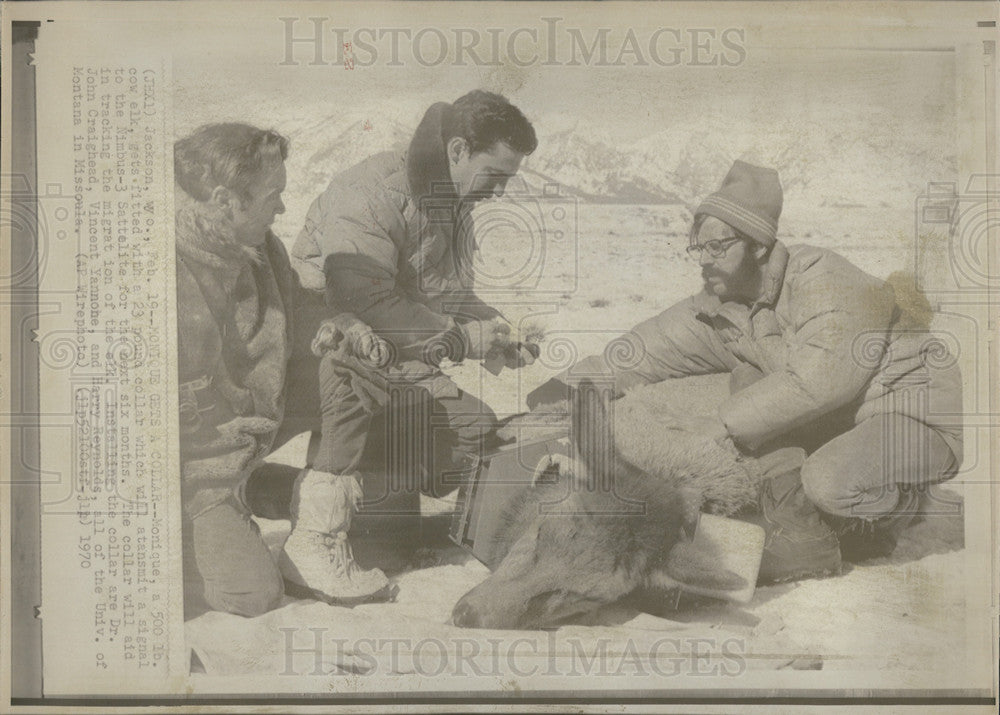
x: 481, y: 336
x: 512, y: 357
x: 345, y: 332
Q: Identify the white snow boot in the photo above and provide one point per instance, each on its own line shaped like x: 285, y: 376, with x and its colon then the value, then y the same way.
x: 317, y: 561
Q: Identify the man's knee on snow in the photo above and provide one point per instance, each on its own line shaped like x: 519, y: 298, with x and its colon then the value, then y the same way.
x: 833, y: 491
x: 460, y: 447
x: 475, y: 421
x: 826, y: 486
x: 467, y: 430
x: 227, y: 564
x: 488, y: 421
x: 261, y: 595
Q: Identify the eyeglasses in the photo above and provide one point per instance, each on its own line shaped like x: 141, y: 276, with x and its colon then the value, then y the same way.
x: 716, y: 248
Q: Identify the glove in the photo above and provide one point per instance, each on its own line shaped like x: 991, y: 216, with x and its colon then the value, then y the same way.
x: 481, y: 336
x: 518, y: 355
x: 368, y: 346
x: 347, y: 333
x: 512, y: 357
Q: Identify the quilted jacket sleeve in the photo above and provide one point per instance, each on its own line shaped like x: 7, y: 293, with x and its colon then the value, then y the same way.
x: 839, y: 315
x: 350, y: 245
x: 674, y: 343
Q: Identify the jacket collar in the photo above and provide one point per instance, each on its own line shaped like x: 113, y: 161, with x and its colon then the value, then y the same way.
x: 427, y: 171
x: 774, y: 276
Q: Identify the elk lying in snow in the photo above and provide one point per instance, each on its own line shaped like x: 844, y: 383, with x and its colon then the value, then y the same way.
x: 592, y: 534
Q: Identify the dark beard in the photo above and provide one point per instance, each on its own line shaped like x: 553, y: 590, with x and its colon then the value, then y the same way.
x: 743, y: 283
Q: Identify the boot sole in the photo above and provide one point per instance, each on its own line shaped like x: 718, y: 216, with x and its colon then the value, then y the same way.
x: 297, y: 590
x: 799, y: 575
x: 855, y: 558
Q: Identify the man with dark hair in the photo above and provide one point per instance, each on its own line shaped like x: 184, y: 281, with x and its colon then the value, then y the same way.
x: 390, y: 237
x: 822, y: 356
x: 391, y: 240
x: 235, y: 297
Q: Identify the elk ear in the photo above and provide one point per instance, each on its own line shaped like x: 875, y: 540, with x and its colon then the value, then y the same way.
x: 690, y: 566
x: 592, y: 433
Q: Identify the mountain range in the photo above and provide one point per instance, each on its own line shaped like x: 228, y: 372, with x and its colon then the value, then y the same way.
x: 830, y: 164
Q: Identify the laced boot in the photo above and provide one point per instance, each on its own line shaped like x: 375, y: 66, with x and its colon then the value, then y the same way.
x: 798, y: 543
x: 317, y: 561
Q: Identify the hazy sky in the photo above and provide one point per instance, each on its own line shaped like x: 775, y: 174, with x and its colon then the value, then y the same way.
x: 776, y: 71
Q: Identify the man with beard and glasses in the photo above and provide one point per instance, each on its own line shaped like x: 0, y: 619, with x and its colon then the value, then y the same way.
x: 391, y: 240
x: 822, y: 356
x: 236, y: 295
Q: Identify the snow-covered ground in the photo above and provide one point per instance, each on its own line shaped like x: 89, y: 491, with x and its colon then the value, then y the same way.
x: 895, y: 613
x: 852, y: 164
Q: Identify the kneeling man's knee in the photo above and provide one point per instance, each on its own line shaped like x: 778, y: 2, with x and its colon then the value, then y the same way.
x: 472, y: 420
x: 488, y: 420
x: 228, y: 562
x: 826, y: 486
x: 261, y: 595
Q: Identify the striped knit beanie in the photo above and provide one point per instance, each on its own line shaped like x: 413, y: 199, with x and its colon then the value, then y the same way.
x: 749, y: 200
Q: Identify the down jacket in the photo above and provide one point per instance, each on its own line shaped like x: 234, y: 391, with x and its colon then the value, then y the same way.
x: 834, y: 337
x: 389, y: 241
